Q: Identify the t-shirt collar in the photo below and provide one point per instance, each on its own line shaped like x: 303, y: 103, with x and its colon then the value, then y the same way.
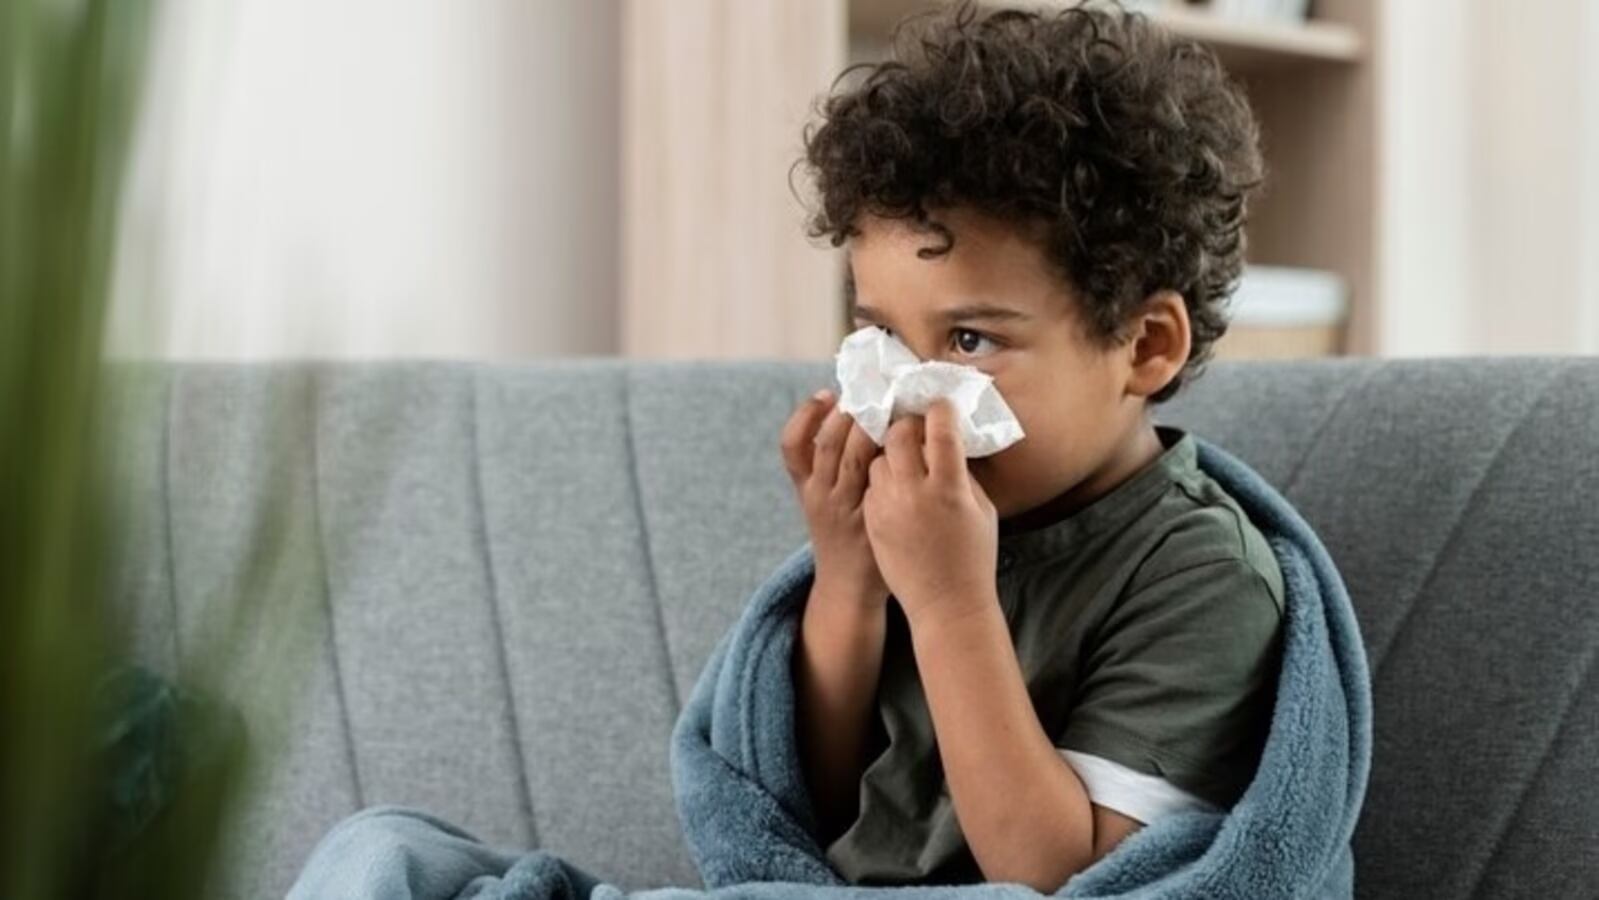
x: 1120, y: 503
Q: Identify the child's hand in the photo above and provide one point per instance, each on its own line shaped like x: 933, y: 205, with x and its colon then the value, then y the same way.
x: 826, y: 455
x: 933, y: 530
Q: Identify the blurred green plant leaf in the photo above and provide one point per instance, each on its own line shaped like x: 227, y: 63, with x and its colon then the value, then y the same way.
x: 113, y: 781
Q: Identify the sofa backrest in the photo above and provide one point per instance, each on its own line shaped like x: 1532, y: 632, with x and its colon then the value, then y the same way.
x: 508, y: 576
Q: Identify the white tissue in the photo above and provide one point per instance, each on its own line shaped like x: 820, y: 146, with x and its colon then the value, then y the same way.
x: 882, y: 380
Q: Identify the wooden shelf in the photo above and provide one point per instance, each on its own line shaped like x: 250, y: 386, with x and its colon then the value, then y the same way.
x: 1244, y: 45
x: 1247, y: 45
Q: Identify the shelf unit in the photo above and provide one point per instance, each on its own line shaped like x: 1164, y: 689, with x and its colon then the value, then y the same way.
x: 1312, y: 86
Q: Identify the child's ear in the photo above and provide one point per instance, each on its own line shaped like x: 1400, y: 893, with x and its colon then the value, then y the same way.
x: 1158, y: 342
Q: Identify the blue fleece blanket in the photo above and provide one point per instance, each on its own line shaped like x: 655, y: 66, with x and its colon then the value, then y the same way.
x: 749, y: 822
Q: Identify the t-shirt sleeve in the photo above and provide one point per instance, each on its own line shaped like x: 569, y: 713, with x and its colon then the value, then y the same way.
x: 1179, y: 680
x: 1133, y: 794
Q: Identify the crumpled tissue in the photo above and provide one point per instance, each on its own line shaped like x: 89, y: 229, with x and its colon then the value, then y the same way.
x: 882, y: 380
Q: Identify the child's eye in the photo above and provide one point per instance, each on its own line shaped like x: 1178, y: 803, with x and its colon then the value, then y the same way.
x: 969, y: 341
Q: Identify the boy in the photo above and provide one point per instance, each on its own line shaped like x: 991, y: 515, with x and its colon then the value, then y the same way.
x: 1084, y: 630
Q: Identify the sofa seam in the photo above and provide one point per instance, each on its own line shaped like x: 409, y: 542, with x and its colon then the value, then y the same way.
x: 1338, y: 406
x: 166, y: 502
x: 352, y: 758
x: 1379, y: 656
x: 496, y: 618
x: 1587, y: 672
x: 648, y: 541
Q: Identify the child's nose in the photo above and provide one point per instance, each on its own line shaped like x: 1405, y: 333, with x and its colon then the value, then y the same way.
x: 924, y: 348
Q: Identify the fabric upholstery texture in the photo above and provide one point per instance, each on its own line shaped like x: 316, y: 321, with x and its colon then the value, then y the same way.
x: 457, y: 541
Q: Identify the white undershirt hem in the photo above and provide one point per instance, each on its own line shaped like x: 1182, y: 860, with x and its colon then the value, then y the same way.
x: 1129, y: 792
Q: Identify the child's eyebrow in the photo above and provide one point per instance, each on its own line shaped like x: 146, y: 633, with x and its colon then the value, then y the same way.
x: 963, y: 313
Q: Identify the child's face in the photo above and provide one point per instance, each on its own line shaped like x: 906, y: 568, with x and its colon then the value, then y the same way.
x: 1067, y: 392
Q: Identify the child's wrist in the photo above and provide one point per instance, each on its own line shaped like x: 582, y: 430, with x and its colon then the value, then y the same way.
x: 836, y: 588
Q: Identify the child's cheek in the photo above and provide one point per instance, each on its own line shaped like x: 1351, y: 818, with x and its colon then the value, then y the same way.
x: 997, y: 365
x: 1008, y: 380
x: 1018, y: 393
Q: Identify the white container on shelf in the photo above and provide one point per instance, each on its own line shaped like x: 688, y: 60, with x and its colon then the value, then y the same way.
x: 1284, y: 297
x: 1279, y: 311
x: 1271, y: 10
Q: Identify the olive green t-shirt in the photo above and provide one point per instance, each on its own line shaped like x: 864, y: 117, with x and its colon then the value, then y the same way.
x: 1147, y: 628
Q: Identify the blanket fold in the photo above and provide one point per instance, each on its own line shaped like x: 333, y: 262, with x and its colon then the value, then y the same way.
x: 749, y: 823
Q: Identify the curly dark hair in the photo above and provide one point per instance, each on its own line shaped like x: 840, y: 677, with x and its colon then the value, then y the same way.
x: 1128, y: 152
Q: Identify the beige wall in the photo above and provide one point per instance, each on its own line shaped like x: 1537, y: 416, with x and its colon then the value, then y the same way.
x: 715, y: 261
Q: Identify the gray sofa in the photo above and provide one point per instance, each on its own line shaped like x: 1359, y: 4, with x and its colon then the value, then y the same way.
x: 508, y: 576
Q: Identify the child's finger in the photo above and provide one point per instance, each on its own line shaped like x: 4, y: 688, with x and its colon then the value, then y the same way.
x: 878, y: 471
x: 859, y: 449
x: 945, y: 455
x: 903, y: 447
x: 799, y: 431
x: 830, y: 446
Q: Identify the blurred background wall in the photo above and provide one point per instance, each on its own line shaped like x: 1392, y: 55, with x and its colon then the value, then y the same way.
x: 1491, y: 184
x: 508, y: 179
x: 376, y: 177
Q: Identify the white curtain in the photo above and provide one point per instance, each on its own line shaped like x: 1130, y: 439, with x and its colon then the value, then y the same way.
x: 1491, y: 177
x: 374, y: 178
